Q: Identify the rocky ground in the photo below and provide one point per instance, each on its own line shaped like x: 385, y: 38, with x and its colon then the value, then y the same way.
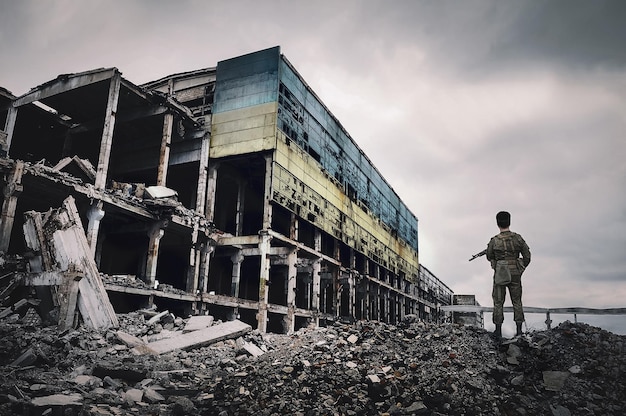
x: 365, y: 368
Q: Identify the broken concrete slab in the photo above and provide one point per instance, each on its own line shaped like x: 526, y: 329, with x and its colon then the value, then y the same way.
x: 155, y: 192
x: 133, y: 396
x: 27, y: 358
x: 554, y: 380
x: 156, y: 318
x: 13, y: 309
x: 197, y: 322
x: 74, y: 399
x: 129, y: 340
x: 200, y: 338
x: 152, y: 396
x: 81, y: 168
x: 252, y: 349
x: 60, y: 240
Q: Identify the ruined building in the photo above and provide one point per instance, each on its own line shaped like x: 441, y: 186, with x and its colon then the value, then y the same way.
x: 230, y: 190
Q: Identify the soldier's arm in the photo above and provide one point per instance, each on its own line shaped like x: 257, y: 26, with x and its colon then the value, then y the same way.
x: 490, y: 254
x: 525, y: 251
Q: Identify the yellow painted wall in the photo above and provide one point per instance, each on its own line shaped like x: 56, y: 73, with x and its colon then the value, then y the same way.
x: 247, y: 130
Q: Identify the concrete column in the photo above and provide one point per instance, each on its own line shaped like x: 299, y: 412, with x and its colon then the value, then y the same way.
x: 237, y: 259
x: 107, y: 132
x: 210, y: 194
x: 241, y: 199
x: 207, y: 250
x: 164, y: 154
x: 293, y: 227
x: 367, y: 313
x: 264, y: 277
x: 203, y: 175
x: 193, y: 270
x: 9, y: 126
x: 267, y: 194
x: 337, y: 292
x: 315, y: 301
x: 94, y: 215
x: 352, y: 298
x: 155, y: 233
x: 292, y: 272
x: 12, y: 191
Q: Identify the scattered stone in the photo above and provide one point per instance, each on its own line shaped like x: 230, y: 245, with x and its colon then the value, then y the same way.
x: 58, y: 400
x: 560, y: 411
x: 388, y: 369
x: 554, y: 380
x: 575, y: 369
x: 27, y: 358
x: 197, y: 322
x: 152, y: 396
x: 129, y: 340
x: 133, y: 396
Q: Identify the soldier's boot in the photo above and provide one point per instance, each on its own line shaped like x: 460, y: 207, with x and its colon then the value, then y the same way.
x: 519, y: 328
x: 498, y: 332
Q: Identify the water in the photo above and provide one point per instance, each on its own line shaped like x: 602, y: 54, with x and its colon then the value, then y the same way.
x: 537, y: 321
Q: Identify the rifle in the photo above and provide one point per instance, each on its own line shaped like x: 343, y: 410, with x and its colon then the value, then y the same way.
x: 477, y: 255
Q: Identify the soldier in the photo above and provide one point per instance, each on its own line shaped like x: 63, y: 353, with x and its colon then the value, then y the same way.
x: 503, y: 252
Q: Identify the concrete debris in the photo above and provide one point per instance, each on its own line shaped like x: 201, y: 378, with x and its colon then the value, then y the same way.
x: 411, y: 368
x: 156, y: 192
x: 199, y: 338
x: 61, y: 400
x: 198, y: 322
x: 78, y: 167
x: 58, y: 240
x: 554, y: 380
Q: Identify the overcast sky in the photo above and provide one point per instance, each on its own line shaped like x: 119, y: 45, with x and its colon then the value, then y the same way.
x: 465, y: 107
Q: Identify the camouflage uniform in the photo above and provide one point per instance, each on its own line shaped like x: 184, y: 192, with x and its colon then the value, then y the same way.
x: 508, y: 246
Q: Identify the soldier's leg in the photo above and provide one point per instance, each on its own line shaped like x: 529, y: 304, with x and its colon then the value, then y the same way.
x: 515, y: 289
x: 499, y: 295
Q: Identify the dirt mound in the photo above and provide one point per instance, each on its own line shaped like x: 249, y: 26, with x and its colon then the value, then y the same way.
x: 365, y: 368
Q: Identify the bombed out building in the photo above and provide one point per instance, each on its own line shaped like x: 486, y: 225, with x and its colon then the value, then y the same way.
x: 231, y: 191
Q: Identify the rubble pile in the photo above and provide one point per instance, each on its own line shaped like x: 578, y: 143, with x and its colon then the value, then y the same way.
x: 362, y: 368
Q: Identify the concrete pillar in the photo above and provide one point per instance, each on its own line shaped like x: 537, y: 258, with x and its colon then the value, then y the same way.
x: 267, y: 194
x: 203, y: 175
x: 210, y: 193
x: 94, y: 215
x: 12, y: 191
x: 164, y: 154
x: 293, y: 227
x: 237, y: 259
x: 193, y: 270
x: 9, y: 126
x: 241, y: 199
x: 292, y: 272
x: 352, y: 297
x: 154, y: 234
x: 367, y: 313
x: 264, y: 277
x: 235, y: 279
x: 315, y: 301
x: 377, y: 303
x: 207, y: 250
x: 107, y: 132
